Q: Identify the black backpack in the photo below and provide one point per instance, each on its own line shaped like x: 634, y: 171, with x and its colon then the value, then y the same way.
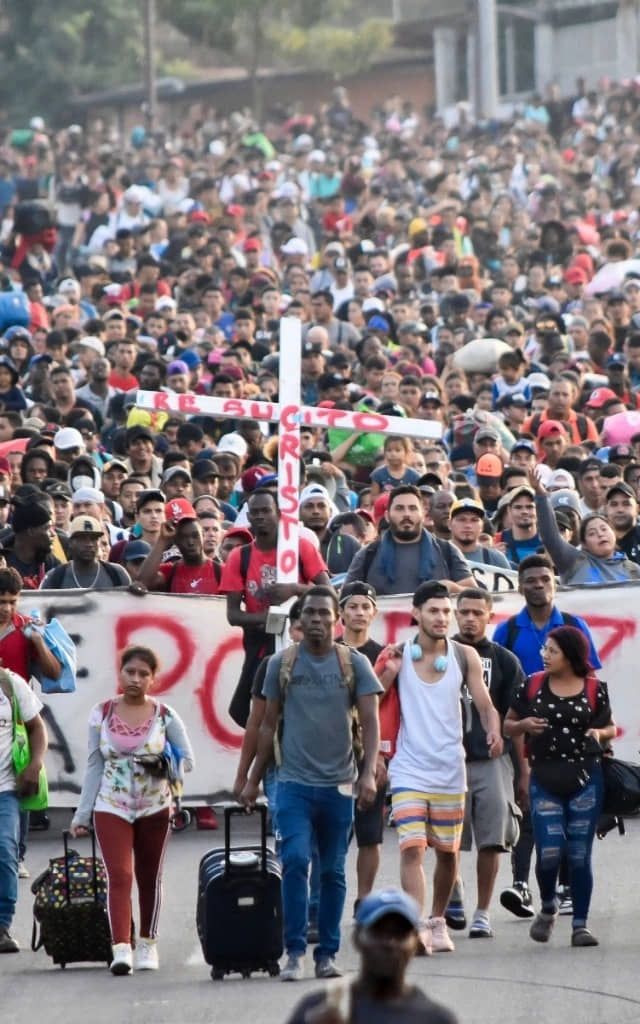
x: 57, y: 575
x: 582, y: 424
x: 513, y: 629
x: 371, y: 551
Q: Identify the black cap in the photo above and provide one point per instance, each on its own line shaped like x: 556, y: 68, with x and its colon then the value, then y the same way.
x: 358, y: 589
x: 202, y: 469
x: 620, y: 488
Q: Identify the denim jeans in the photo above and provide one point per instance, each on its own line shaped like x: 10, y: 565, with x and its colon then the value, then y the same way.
x: 24, y: 832
x: 566, y: 825
x: 9, y: 831
x: 270, y: 784
x: 305, y: 811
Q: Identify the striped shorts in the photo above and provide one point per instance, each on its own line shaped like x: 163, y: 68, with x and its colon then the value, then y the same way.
x: 428, y: 819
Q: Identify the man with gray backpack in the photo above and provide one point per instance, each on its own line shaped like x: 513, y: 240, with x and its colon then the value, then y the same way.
x: 322, y: 712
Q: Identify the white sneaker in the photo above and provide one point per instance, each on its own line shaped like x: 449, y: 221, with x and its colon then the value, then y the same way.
x: 23, y: 870
x: 122, y: 962
x: 293, y: 970
x: 146, y: 955
x: 441, y: 941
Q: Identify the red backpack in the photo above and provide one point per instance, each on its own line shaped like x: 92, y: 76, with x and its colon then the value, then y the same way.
x: 535, y: 682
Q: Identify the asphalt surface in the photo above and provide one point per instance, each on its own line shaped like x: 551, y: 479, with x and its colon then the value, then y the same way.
x: 507, y: 978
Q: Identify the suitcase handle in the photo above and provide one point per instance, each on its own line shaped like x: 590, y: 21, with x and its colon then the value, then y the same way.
x: 65, y: 839
x: 235, y: 809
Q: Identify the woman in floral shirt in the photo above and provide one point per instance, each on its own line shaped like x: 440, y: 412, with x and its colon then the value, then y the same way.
x: 131, y: 800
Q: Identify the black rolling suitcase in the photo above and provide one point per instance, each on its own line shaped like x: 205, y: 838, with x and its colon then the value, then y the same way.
x: 239, y: 912
x: 71, y: 908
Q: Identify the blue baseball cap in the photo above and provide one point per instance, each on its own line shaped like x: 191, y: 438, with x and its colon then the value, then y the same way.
x: 134, y: 550
x: 387, y: 901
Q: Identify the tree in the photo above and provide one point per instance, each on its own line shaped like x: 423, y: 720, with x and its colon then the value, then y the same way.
x: 52, y: 52
x: 336, y: 48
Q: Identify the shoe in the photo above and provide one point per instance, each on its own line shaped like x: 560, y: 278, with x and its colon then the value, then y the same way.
x: 455, y: 916
x: 146, y: 955
x: 565, y: 901
x: 7, y: 943
x: 356, y: 904
x: 326, y: 968
x: 517, y: 900
x: 39, y: 821
x: 542, y: 926
x: 424, y: 940
x: 313, y: 935
x: 23, y: 870
x: 583, y: 937
x: 122, y: 962
x: 206, y: 819
x: 441, y: 941
x: 480, y: 928
x: 293, y: 970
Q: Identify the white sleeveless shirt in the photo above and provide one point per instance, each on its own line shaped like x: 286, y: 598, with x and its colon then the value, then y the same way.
x: 429, y: 754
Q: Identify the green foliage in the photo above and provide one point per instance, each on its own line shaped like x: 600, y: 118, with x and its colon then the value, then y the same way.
x: 336, y: 48
x: 50, y: 52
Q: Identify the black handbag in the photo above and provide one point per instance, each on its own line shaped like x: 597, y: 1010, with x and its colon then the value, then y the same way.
x: 621, y: 786
x: 560, y: 778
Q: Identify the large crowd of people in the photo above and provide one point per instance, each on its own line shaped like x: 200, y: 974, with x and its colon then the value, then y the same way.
x: 483, y: 279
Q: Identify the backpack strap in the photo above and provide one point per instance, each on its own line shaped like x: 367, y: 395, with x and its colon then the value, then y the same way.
x: 112, y: 573
x: 591, y: 691
x: 346, y: 667
x: 57, y: 577
x: 512, y: 633
x: 369, y: 554
x: 107, y: 708
x: 287, y: 662
x: 245, y: 558
x: 460, y: 655
x: 534, y: 685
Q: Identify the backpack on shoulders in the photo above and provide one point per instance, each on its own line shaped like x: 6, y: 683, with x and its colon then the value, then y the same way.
x: 513, y: 629
x: 287, y: 664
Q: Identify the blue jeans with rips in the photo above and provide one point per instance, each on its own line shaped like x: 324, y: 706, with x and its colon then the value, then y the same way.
x: 9, y: 832
x: 326, y: 813
x: 566, y: 825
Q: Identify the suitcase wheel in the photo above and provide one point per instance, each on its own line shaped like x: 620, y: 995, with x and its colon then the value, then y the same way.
x: 273, y: 967
x: 217, y: 974
x: 246, y: 973
x: 63, y: 966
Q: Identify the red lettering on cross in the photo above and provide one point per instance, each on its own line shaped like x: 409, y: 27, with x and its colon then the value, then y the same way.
x: 370, y: 421
x: 161, y: 401
x: 188, y: 403
x: 289, y: 446
x: 288, y: 515
x: 289, y: 416
x: 233, y: 407
x: 287, y: 561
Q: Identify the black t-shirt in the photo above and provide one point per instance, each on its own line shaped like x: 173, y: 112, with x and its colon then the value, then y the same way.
x: 568, y: 717
x: 32, y: 573
x: 413, y: 1007
x: 258, y: 681
x: 371, y: 649
x: 503, y: 675
x: 630, y: 544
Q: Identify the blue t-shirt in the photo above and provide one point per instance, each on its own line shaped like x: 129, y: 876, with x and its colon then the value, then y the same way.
x: 529, y: 639
x: 386, y: 482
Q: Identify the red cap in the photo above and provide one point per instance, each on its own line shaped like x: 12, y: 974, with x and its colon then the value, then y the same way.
x: 576, y: 275
x: 235, y: 210
x: 489, y: 465
x: 199, y: 217
x: 600, y: 397
x: 178, y: 509
x: 380, y: 506
x: 252, y: 245
x: 243, y: 533
x: 550, y: 428
x: 365, y: 513
x: 251, y: 477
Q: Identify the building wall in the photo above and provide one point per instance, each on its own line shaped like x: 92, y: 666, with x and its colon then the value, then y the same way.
x: 587, y: 50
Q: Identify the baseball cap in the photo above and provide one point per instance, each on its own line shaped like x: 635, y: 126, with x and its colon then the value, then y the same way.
x: 88, y: 494
x: 576, y: 275
x: 87, y: 525
x: 114, y: 464
x: 619, y: 487
x: 151, y: 494
x: 600, y: 397
x: 251, y: 477
x: 518, y: 492
x: 295, y: 247
x: 59, y: 490
x: 565, y: 499
x: 312, y: 491
x: 67, y: 438
x: 384, y: 902
x: 550, y: 428
x: 620, y: 451
x: 135, y: 550
x: 467, y: 505
x: 489, y: 465
x: 487, y: 434
x: 233, y: 443
x: 525, y: 445
x: 538, y: 381
x: 358, y: 589
x: 204, y: 468
x: 561, y: 479
x: 178, y: 509
x: 177, y: 366
x: 175, y: 471
x: 89, y: 341
x: 431, y: 396
x: 563, y: 520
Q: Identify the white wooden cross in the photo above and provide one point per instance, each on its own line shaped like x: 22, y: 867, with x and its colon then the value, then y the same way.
x: 291, y: 415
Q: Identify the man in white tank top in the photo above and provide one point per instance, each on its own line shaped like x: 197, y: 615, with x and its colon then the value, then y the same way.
x: 427, y: 772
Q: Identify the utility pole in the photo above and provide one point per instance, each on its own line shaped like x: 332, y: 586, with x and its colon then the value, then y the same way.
x: 150, y: 64
x: 486, y: 60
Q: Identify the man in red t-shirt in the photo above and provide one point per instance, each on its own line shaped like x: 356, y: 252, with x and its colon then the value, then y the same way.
x: 193, y: 573
x: 257, y: 590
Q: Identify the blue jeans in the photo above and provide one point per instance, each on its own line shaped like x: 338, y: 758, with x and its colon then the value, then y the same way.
x: 305, y: 811
x: 566, y: 825
x: 270, y: 784
x: 9, y: 831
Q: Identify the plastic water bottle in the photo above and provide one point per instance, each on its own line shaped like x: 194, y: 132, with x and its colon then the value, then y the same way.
x: 35, y: 623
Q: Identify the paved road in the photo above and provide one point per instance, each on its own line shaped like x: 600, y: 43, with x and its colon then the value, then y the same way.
x: 505, y: 979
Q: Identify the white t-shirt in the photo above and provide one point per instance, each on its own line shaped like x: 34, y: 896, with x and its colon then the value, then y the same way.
x: 29, y: 706
x: 429, y: 756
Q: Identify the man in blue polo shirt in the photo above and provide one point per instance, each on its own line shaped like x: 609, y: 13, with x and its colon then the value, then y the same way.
x: 524, y: 635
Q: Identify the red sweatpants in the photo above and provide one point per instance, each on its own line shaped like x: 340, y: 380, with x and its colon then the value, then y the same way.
x: 127, y: 847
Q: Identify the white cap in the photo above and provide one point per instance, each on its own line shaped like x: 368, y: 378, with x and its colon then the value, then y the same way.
x: 316, y: 156
x: 37, y: 124
x: 538, y: 380
x: 68, y: 437
x: 560, y: 480
x: 133, y: 194
x: 302, y: 142
x: 90, y: 341
x: 288, y: 190
x: 295, y: 247
x: 165, y: 302
x: 370, y: 304
x: 217, y: 147
x: 312, y: 491
x: 69, y: 287
x: 88, y: 494
x: 233, y: 443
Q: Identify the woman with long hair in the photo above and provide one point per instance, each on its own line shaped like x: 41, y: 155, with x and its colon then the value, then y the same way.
x: 126, y: 790
x: 565, y: 714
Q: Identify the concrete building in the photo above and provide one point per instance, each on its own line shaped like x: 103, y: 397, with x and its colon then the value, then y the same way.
x: 494, y: 53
